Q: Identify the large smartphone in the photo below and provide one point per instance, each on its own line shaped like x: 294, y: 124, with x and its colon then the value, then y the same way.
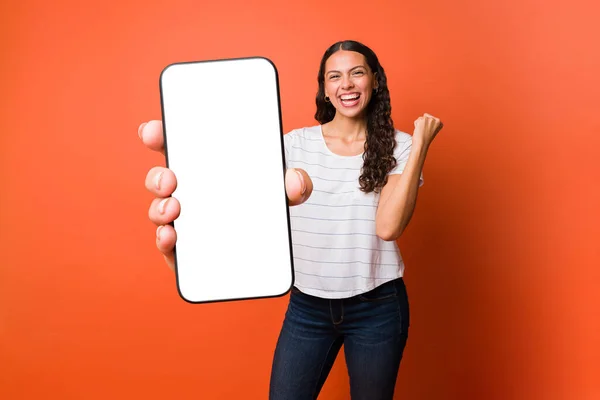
x: 224, y: 142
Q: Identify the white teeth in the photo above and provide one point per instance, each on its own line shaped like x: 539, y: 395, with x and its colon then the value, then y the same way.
x: 349, y: 97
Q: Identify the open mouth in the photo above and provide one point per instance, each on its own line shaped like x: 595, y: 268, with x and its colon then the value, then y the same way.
x: 349, y: 100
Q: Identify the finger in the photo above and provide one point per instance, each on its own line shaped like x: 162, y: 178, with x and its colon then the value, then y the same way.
x: 439, y: 128
x: 298, y: 186
x: 166, y: 237
x: 151, y: 133
x: 427, y: 115
x: 161, y: 181
x: 418, y: 121
x: 164, y: 211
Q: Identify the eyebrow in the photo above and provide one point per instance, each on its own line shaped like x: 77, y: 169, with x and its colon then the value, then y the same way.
x: 351, y: 69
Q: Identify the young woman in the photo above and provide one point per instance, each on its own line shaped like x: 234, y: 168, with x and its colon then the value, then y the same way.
x: 352, y: 181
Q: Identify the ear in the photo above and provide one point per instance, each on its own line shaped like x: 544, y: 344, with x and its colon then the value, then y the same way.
x: 376, y: 83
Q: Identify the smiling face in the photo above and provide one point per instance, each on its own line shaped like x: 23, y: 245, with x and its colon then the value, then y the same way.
x: 349, y: 83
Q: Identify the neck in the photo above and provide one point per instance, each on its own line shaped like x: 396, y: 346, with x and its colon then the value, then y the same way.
x: 348, y: 129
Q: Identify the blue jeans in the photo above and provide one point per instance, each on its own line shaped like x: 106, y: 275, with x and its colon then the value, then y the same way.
x: 373, y: 328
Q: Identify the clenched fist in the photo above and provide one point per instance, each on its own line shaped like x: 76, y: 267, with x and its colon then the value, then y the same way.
x: 427, y: 128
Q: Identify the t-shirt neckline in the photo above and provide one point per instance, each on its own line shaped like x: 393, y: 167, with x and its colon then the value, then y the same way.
x: 324, y: 144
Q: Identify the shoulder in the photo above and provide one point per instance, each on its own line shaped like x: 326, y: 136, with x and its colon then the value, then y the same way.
x: 309, y: 132
x: 403, y: 143
x: 299, y: 136
x: 403, y: 139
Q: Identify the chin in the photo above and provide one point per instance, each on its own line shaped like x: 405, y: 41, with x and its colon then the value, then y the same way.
x: 357, y: 113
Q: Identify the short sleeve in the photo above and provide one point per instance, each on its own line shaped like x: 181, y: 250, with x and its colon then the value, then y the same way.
x: 401, y: 153
x: 287, y: 146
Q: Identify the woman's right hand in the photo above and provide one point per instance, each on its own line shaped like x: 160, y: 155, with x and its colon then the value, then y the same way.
x: 165, y: 208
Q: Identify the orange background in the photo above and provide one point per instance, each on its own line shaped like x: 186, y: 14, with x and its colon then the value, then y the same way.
x: 502, y: 253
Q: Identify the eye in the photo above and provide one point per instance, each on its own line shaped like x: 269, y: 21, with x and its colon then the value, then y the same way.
x: 333, y: 76
x: 358, y: 73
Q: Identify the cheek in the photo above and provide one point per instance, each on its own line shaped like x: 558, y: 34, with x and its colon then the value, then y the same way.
x: 367, y: 89
x: 366, y: 99
x: 330, y: 89
x: 366, y: 85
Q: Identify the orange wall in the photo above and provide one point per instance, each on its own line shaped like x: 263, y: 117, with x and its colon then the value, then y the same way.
x: 502, y: 254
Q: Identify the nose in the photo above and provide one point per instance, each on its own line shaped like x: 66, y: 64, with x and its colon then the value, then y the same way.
x: 347, y: 82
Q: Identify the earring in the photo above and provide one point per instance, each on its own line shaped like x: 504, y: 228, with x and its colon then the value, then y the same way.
x: 327, y: 99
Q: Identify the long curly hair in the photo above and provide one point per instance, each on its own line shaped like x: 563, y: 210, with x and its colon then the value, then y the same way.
x: 378, y: 157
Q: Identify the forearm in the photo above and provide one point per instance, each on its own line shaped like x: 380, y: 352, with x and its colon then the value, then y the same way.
x: 398, y: 198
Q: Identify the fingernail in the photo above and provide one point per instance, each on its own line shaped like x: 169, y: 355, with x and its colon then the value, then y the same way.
x: 141, y: 129
x: 301, y: 181
x: 157, y: 180
x: 158, y: 232
x: 161, y: 205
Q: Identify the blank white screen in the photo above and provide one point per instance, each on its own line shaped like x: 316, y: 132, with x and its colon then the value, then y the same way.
x: 223, y: 141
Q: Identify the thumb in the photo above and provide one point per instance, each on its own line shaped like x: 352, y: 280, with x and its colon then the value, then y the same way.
x: 298, y: 186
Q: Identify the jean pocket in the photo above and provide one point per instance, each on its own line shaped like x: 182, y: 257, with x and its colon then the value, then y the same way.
x: 382, y: 292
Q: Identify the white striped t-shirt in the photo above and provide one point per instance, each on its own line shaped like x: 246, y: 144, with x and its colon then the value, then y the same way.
x: 337, y: 253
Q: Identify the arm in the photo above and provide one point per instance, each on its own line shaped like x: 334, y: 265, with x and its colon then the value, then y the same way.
x: 399, y: 195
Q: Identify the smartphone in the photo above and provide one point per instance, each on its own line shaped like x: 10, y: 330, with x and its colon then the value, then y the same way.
x: 224, y: 142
